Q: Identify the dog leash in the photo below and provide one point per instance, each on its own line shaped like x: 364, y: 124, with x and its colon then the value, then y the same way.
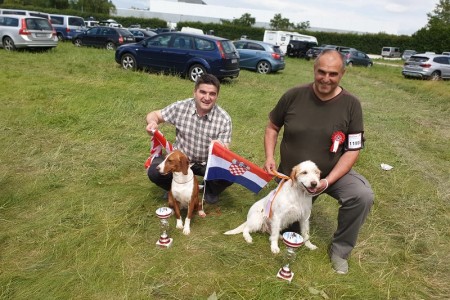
x: 268, y: 209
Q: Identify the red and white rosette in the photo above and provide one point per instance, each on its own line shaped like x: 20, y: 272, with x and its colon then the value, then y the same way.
x: 337, y: 139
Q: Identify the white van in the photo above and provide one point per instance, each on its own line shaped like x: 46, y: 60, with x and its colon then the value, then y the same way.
x: 283, y: 38
x: 390, y: 52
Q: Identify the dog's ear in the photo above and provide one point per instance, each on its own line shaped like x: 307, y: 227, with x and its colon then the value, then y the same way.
x: 184, y: 164
x: 293, y: 175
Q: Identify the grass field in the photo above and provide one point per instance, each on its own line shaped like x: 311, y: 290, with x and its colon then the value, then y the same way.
x: 77, y: 212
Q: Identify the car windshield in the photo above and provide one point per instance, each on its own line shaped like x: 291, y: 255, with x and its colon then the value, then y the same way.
x: 277, y: 49
x: 76, y: 21
x: 38, y: 24
x: 228, y: 47
x: 418, y: 58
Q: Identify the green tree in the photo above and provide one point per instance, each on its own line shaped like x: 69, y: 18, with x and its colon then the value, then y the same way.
x: 440, y: 15
x: 302, y: 25
x: 280, y: 23
x: 245, y: 20
x: 435, y: 36
x: 94, y: 6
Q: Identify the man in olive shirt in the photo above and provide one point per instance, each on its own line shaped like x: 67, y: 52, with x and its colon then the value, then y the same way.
x: 324, y: 123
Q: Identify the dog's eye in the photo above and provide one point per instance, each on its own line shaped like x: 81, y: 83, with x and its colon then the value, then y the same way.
x: 304, y: 173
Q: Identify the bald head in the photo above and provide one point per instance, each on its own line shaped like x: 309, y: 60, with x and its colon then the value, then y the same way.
x: 330, y: 57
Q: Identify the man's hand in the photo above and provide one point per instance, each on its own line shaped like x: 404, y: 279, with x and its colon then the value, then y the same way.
x: 151, y: 127
x: 322, y: 186
x: 270, y: 165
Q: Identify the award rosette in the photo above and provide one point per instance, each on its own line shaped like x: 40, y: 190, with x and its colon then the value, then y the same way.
x: 337, y: 139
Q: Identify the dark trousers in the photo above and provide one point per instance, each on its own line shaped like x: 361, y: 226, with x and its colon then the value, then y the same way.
x: 212, y: 187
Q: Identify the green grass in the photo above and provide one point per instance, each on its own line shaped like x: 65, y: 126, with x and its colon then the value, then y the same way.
x: 77, y: 214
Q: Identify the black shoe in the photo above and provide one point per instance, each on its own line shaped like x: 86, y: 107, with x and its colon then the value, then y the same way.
x: 211, y: 199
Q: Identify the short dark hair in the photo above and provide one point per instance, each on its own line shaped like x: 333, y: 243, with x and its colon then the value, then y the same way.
x: 207, y: 79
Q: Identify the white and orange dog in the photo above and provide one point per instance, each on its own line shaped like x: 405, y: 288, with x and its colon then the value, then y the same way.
x: 292, y: 203
x: 184, y: 190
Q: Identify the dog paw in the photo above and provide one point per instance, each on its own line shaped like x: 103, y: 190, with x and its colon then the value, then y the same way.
x: 201, y: 213
x: 186, y: 231
x: 179, y: 224
x: 275, y: 249
x: 310, y: 245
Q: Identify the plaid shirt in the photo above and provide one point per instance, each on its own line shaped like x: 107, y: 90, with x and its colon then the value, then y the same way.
x: 194, y: 133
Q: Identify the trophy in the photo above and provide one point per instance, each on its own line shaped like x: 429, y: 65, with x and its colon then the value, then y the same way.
x: 292, y: 241
x: 163, y: 214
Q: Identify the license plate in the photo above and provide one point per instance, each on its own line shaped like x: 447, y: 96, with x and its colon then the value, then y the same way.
x: 234, y: 61
x: 41, y: 34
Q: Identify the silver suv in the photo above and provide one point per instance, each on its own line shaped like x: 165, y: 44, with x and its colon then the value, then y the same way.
x: 427, y: 66
x: 17, y: 31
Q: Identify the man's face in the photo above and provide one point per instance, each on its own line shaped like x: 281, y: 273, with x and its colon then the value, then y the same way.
x: 205, y: 98
x: 328, y: 72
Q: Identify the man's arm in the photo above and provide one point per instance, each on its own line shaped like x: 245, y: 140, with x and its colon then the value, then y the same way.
x: 344, y: 164
x: 270, y: 141
x: 153, y: 119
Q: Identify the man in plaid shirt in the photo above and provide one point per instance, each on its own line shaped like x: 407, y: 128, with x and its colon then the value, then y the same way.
x: 198, y: 121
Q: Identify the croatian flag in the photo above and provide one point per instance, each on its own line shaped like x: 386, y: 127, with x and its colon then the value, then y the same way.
x: 158, y: 143
x: 226, y: 165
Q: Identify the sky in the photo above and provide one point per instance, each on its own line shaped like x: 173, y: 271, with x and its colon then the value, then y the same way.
x: 389, y: 16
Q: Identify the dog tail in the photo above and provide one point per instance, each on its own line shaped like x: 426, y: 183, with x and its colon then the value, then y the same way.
x: 237, y: 230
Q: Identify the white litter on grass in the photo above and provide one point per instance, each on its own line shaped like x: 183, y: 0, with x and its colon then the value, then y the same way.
x: 386, y: 167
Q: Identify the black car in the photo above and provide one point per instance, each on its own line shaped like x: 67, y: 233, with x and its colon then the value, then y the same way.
x: 353, y: 57
x: 313, y: 52
x: 104, y: 37
x: 140, y: 34
x: 299, y: 48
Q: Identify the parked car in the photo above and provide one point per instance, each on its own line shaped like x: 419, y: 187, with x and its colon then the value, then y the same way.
x: 104, y: 37
x: 259, y: 56
x: 91, y: 23
x: 446, y: 53
x: 313, y: 52
x: 390, y: 52
x: 408, y: 53
x: 22, y: 12
x: 67, y: 27
x: 337, y: 48
x: 353, y: 57
x: 427, y: 66
x: 140, y: 34
x: 299, y: 48
x: 187, y: 54
x: 19, y: 31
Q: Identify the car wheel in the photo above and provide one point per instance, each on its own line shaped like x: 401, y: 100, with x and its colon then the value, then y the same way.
x: 350, y: 64
x: 196, y: 71
x: 60, y: 37
x: 78, y: 43
x: 8, y: 44
x: 263, y: 67
x: 369, y: 65
x: 110, y: 46
x: 128, y: 62
x: 435, y: 76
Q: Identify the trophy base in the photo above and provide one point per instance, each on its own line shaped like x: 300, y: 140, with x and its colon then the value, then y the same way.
x: 282, y: 274
x: 164, y: 243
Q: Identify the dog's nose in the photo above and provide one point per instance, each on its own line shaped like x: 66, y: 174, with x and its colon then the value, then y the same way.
x: 313, y: 184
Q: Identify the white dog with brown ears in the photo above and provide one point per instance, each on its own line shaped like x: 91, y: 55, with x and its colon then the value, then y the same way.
x: 184, y: 190
x: 291, y: 202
